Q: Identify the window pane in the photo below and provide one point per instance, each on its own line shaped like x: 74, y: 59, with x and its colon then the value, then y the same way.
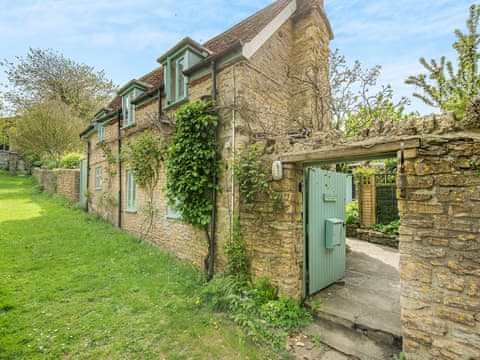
x: 173, y: 77
x: 180, y: 79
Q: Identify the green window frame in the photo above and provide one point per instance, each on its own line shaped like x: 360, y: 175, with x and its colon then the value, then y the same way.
x: 180, y: 84
x: 176, y: 83
x: 98, y: 177
x: 101, y: 132
x: 131, y: 194
x: 172, y: 212
x: 128, y: 109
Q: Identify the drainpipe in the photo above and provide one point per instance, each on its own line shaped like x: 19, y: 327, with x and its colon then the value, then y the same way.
x: 119, y: 170
x: 88, y: 171
x: 213, y: 235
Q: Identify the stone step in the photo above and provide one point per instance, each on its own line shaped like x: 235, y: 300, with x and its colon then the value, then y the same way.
x: 353, y: 339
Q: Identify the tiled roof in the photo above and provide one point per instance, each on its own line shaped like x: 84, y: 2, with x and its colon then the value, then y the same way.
x: 247, y: 29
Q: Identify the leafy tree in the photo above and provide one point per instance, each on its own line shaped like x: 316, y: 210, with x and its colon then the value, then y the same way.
x: 444, y: 86
x: 44, y: 75
x: 354, y: 102
x: 5, y: 125
x: 49, y: 129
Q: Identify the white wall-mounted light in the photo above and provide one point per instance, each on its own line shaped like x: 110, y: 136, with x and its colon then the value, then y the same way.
x: 277, y: 170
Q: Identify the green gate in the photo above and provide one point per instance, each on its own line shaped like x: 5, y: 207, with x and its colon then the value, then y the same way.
x: 325, y: 228
x: 83, y: 183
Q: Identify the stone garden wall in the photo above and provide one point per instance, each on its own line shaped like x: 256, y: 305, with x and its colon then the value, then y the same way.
x: 3, y: 160
x: 65, y: 182
x: 440, y: 249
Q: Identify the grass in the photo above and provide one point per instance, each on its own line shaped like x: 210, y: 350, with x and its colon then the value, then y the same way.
x: 73, y: 286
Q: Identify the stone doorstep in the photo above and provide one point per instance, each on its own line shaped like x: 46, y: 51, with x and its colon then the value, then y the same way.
x: 353, y: 339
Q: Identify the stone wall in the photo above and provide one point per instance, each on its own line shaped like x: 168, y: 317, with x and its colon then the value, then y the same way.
x: 46, y: 179
x: 68, y: 184
x: 65, y: 182
x: 274, y: 236
x: 440, y: 249
x: 3, y: 160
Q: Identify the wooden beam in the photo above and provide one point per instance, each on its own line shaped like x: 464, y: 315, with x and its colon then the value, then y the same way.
x: 352, y: 152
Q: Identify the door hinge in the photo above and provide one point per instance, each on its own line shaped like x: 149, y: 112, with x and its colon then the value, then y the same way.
x: 300, y: 187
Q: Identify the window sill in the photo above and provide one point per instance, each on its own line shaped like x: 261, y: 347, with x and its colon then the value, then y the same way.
x: 128, y: 126
x: 176, y: 103
x: 131, y: 211
x: 98, y: 188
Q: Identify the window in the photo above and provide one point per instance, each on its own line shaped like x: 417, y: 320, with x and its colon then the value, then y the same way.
x: 172, y: 212
x: 180, y: 79
x: 131, y: 192
x: 98, y: 178
x: 177, y: 85
x: 128, y: 109
x: 101, y: 132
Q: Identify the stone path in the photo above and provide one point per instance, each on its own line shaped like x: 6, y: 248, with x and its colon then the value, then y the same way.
x: 368, y: 299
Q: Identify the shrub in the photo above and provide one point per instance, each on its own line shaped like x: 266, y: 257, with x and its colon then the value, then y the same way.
x: 71, y: 161
x: 256, y: 309
x: 352, y: 213
x: 391, y: 228
x: 48, y: 164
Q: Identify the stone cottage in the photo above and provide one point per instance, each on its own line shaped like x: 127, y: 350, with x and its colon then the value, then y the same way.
x: 258, y: 73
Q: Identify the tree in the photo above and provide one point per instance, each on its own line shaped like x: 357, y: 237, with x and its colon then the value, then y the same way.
x: 4, y: 130
x: 444, y: 86
x: 44, y: 75
x: 49, y: 129
x: 354, y: 102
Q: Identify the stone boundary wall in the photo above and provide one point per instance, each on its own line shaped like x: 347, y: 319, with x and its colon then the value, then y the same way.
x: 376, y: 237
x: 440, y: 249
x: 65, y: 182
x: 68, y: 184
x: 4, y: 160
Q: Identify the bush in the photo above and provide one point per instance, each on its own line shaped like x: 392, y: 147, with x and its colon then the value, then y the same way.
x: 391, y: 228
x: 256, y: 309
x: 71, y: 161
x: 352, y: 213
x: 48, y: 164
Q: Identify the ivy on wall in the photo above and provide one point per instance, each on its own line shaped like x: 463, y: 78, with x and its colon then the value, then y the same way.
x: 145, y: 156
x: 192, y: 163
x: 253, y: 181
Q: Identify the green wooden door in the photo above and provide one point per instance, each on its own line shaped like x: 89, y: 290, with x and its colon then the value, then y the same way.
x: 83, y: 183
x: 325, y: 228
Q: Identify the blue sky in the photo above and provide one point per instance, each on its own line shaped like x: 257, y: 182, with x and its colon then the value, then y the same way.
x: 125, y: 37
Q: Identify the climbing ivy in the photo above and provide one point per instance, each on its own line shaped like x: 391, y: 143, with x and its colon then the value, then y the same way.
x: 253, y: 182
x: 192, y: 162
x: 145, y: 156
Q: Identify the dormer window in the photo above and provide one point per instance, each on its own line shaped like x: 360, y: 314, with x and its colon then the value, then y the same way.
x: 101, y: 132
x: 128, y: 109
x: 181, y: 57
x: 176, y: 85
x: 129, y: 93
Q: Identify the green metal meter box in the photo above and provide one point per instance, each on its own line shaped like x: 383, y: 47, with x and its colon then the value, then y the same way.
x: 334, y: 232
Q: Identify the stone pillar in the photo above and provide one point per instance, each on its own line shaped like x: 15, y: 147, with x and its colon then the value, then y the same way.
x: 440, y: 249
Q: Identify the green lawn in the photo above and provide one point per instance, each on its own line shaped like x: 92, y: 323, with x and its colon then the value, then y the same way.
x: 72, y: 286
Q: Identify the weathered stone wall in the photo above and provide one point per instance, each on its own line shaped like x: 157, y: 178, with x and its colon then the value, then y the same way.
x: 46, y: 179
x: 65, y: 182
x: 274, y: 236
x: 440, y: 249
x: 3, y: 160
x: 68, y: 184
